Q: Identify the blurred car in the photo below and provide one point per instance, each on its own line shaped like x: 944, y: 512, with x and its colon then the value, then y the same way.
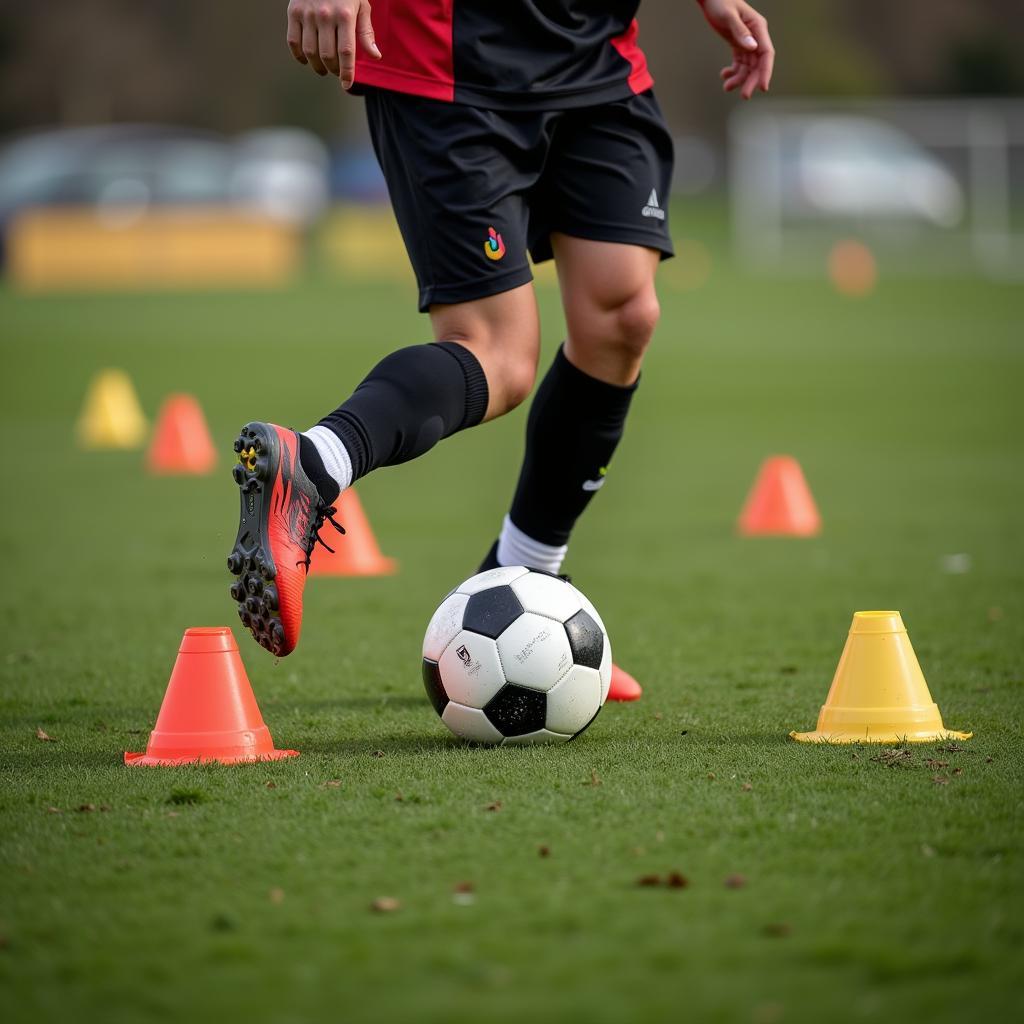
x: 123, y: 170
x: 853, y: 166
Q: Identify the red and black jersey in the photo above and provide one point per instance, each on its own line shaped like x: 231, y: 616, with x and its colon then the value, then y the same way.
x: 507, y: 54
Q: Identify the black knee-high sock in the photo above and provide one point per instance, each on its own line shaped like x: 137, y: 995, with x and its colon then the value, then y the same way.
x: 407, y: 403
x: 574, y: 426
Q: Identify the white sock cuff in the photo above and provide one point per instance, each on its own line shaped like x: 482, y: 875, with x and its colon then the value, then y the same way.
x: 335, y: 455
x: 516, y: 548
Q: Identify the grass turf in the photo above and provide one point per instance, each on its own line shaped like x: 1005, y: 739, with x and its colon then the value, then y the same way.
x: 208, y: 893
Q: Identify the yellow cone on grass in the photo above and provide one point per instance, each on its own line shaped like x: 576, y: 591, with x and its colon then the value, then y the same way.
x: 111, y: 416
x: 878, y: 694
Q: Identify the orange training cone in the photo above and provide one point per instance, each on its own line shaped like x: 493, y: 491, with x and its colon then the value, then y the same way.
x: 209, y: 712
x: 181, y: 442
x: 780, y: 502
x: 878, y: 694
x: 623, y: 686
x: 356, y: 553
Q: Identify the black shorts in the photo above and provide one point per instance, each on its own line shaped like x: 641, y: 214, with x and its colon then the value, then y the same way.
x: 473, y: 189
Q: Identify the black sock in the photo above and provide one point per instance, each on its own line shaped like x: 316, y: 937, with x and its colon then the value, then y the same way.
x: 313, y: 467
x: 408, y: 402
x: 575, y: 424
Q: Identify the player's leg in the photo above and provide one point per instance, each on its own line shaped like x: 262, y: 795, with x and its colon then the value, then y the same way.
x: 606, y: 228
x: 456, y: 178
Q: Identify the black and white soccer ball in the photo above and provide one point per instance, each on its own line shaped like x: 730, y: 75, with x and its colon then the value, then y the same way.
x: 516, y: 656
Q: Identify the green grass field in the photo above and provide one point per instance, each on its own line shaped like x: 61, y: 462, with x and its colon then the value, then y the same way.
x: 872, y: 889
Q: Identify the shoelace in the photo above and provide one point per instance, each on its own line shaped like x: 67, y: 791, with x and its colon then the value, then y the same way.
x: 324, y: 513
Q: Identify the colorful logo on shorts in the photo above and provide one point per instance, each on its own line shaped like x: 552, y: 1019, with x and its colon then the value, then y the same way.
x: 494, y: 247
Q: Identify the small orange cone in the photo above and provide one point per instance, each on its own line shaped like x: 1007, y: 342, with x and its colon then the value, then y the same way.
x: 355, y: 554
x: 780, y: 502
x: 879, y: 694
x: 209, y: 711
x: 181, y: 441
x: 623, y: 686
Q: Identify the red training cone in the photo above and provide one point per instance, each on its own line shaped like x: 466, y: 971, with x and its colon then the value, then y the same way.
x: 356, y: 553
x: 209, y: 711
x: 623, y: 686
x: 181, y: 441
x: 780, y: 502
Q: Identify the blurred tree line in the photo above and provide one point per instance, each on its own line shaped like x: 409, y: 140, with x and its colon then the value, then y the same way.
x: 223, y: 64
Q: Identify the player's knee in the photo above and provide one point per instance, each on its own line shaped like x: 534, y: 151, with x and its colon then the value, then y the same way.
x: 633, y: 322
x: 517, y: 382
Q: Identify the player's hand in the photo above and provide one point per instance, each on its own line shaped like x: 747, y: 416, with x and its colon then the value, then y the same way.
x: 746, y: 31
x: 324, y: 34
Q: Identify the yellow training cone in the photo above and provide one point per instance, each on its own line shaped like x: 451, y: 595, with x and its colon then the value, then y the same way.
x: 111, y: 416
x: 878, y: 694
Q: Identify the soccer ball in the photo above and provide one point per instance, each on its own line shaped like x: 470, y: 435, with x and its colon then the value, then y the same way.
x: 516, y: 656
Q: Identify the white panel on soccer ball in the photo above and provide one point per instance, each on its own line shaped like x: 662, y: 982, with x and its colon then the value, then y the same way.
x: 588, y: 606
x: 447, y: 621
x: 530, y: 738
x: 547, y: 595
x: 534, y: 652
x: 469, y: 723
x: 574, y: 700
x: 606, y: 669
x: 499, y: 577
x: 471, y: 669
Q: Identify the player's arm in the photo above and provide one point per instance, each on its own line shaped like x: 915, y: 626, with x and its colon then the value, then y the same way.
x: 324, y: 34
x: 746, y: 31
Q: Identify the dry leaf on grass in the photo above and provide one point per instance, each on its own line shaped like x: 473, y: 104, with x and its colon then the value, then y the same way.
x: 677, y: 880
x: 648, y: 881
x: 892, y: 758
x: 934, y: 764
x: 746, y: 787
x: 40, y: 735
x: 270, y: 785
x: 85, y: 808
x: 378, y: 753
x: 385, y: 905
x: 331, y: 784
x: 940, y: 780
x: 595, y: 779
x: 54, y: 810
x: 463, y: 887
x: 544, y: 851
x: 735, y: 881
x: 495, y: 806
x: 276, y: 896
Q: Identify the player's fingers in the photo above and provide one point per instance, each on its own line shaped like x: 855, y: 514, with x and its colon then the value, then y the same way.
x: 750, y: 84
x: 294, y: 37
x: 765, y: 52
x: 347, y: 48
x: 364, y: 32
x: 311, y: 44
x: 740, y: 32
x: 736, y: 80
x: 327, y: 41
x: 728, y: 71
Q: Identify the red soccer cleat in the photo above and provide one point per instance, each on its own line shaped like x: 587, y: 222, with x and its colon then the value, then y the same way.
x: 280, y: 520
x: 623, y: 686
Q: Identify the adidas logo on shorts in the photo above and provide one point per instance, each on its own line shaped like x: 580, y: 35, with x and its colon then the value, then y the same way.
x: 652, y: 209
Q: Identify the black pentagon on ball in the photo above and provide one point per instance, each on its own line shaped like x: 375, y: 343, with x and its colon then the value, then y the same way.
x: 434, y: 686
x: 492, y: 611
x: 515, y: 711
x: 586, y: 640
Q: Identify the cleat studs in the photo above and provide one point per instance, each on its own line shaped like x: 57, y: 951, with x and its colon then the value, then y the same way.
x: 234, y: 563
x: 237, y: 473
x: 238, y: 445
x: 270, y: 597
x: 265, y: 571
x: 257, y: 445
x: 244, y: 616
x: 252, y: 605
x: 237, y: 593
x: 250, y: 563
x: 252, y: 484
x: 254, y: 585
